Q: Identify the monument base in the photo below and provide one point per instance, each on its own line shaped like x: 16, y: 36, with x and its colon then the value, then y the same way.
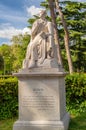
x: 43, y: 125
x: 42, y: 103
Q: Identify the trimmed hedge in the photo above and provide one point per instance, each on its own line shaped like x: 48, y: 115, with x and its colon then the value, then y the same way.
x: 8, y: 97
x: 75, y: 95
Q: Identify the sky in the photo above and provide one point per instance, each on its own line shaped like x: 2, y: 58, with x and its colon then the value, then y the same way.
x: 14, y: 16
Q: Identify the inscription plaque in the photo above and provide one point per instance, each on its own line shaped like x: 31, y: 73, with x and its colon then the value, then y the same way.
x: 39, y: 101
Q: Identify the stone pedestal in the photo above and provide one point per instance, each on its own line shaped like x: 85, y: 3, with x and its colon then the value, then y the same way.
x: 42, y: 103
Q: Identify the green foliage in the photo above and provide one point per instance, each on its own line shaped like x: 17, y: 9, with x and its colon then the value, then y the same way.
x: 75, y: 17
x: 19, y: 47
x: 11, y: 56
x: 76, y: 93
x: 6, y: 76
x: 8, y: 97
x: 5, y: 52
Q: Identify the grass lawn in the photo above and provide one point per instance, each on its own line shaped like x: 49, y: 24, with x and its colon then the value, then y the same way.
x: 76, y: 123
x: 7, y: 124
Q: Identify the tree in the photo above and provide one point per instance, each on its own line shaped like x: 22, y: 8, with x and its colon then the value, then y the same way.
x: 75, y: 15
x: 5, y: 52
x: 19, y: 46
x: 66, y: 37
x: 53, y: 17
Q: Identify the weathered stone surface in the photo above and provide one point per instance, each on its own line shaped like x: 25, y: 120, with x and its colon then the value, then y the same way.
x: 42, y: 101
x: 41, y: 51
x: 43, y: 125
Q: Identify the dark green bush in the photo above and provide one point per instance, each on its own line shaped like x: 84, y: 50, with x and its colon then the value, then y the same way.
x: 76, y: 93
x: 8, y: 97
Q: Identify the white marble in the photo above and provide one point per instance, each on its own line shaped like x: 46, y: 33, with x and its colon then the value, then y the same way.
x: 41, y: 48
x: 42, y: 103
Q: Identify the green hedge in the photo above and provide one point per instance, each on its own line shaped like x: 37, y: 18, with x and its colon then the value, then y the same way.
x: 75, y: 95
x: 8, y: 97
x: 6, y: 76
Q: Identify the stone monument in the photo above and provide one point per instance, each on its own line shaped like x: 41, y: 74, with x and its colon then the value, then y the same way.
x: 42, y: 103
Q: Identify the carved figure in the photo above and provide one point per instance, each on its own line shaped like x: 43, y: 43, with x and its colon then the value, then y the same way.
x: 41, y: 46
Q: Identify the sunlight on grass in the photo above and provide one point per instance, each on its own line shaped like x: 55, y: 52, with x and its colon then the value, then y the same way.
x: 78, y: 123
x: 7, y: 124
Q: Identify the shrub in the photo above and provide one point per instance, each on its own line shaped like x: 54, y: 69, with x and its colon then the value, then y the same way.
x: 6, y: 76
x: 76, y: 93
x: 8, y: 97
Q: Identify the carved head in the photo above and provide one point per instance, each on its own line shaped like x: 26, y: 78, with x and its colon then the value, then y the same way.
x: 42, y: 13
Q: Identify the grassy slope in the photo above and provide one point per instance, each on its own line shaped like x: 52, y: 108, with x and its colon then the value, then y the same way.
x: 76, y: 123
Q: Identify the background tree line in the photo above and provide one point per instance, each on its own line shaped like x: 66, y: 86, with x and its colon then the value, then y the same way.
x: 11, y: 56
x: 74, y: 16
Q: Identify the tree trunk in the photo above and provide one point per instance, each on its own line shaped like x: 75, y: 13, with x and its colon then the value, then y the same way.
x: 57, y: 43
x: 66, y: 37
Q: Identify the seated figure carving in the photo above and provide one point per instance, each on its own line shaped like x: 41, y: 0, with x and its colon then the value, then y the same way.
x: 41, y: 45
